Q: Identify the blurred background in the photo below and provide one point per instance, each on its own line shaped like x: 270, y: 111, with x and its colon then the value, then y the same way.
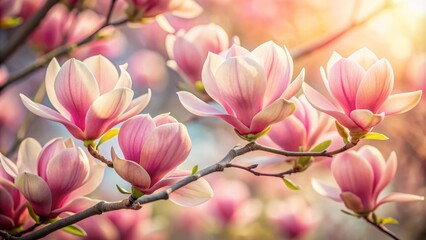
x: 246, y: 206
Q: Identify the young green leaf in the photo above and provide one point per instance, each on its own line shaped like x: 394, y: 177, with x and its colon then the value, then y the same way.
x: 75, y: 230
x: 343, y: 132
x: 122, y: 190
x: 375, y: 136
x: 32, y: 213
x: 194, y: 169
x: 388, y: 220
x: 290, y: 184
x: 108, y: 135
x: 322, y: 146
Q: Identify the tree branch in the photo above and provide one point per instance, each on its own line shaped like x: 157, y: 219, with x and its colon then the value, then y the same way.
x: 25, y: 30
x: 256, y: 173
x: 98, y: 156
x: 382, y: 228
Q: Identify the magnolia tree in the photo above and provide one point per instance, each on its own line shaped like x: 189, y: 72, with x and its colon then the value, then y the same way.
x: 45, y: 187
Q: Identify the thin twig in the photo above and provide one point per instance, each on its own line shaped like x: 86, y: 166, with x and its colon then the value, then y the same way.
x: 250, y: 169
x: 382, y: 228
x: 30, y: 229
x: 25, y: 30
x: 95, y: 153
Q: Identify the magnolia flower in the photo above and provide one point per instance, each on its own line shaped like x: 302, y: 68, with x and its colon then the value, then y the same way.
x: 361, y: 176
x: 304, y: 129
x: 153, y: 148
x: 90, y: 97
x: 152, y: 8
x: 13, y: 212
x: 189, y: 50
x: 252, y: 87
x: 54, y: 178
x: 360, y: 88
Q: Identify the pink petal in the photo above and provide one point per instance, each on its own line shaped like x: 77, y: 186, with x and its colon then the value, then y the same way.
x: 242, y: 82
x: 6, y: 222
x: 294, y: 86
x: 400, y: 103
x: 200, y: 108
x: 294, y: 137
x: 376, y: 160
x: 326, y: 190
x: 6, y: 199
x: 354, y: 174
x: 278, y: 66
x: 135, y: 107
x: 237, y: 51
x: 187, y: 9
x: 365, y: 119
x: 388, y: 174
x: 277, y: 111
x: 9, y: 167
x: 400, y: 197
x: 49, y: 151
x: 335, y: 57
x: 173, y: 178
x: 353, y: 202
x: 192, y: 194
x: 51, y: 73
x: 163, y: 119
x: 189, y: 58
x: 364, y: 57
x: 344, y: 79
x: 105, y: 109
x: 131, y: 172
x: 76, y: 205
x: 104, y: 72
x: 76, y: 89
x: 133, y: 135
x: 208, y: 73
x: 66, y: 172
x: 45, y: 112
x: 166, y: 148
x: 375, y: 87
x: 27, y: 155
x: 124, y: 81
x: 36, y: 191
x: 93, y: 181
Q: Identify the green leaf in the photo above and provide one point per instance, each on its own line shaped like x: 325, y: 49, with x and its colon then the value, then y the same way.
x: 322, y: 146
x: 136, y: 193
x: 290, y: 184
x: 9, y: 22
x: 194, y: 169
x: 122, y: 190
x: 343, y: 132
x: 375, y: 136
x: 388, y: 220
x: 75, y: 230
x: 108, y: 135
x: 32, y: 213
x: 253, y: 137
x: 375, y: 219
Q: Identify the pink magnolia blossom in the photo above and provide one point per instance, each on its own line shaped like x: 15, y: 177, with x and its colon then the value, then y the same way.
x: 304, y: 129
x: 292, y: 217
x: 90, y: 96
x: 360, y: 87
x: 54, y: 178
x: 180, y: 8
x: 13, y: 212
x: 252, y: 87
x: 361, y: 176
x: 29, y: 7
x: 189, y: 49
x: 153, y: 148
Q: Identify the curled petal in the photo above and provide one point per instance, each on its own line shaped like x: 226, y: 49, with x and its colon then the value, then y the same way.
x: 131, y: 172
x: 326, y: 190
x: 400, y: 197
x: 9, y: 167
x: 400, y: 103
x: 135, y: 107
x: 133, y: 135
x: 104, y: 72
x: 51, y: 73
x: 333, y: 59
x: 36, y: 191
x: 125, y: 81
x: 277, y: 111
x: 294, y: 86
x: 192, y: 194
x: 365, y: 119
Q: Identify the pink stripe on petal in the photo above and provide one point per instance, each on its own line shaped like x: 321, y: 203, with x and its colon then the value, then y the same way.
x: 131, y: 172
x: 237, y: 51
x: 388, y: 174
x: 51, y: 73
x: 135, y: 107
x: 365, y: 119
x: 294, y: 86
x: 326, y: 190
x: 192, y: 194
x: 133, y: 135
x: 291, y: 126
x: 278, y: 66
x: 400, y: 103
x: 364, y: 57
x: 200, y: 108
x: 242, y: 82
x: 400, y: 197
x: 104, y: 72
x: 277, y: 111
x: 333, y: 59
x: 36, y: 191
x: 166, y: 148
x: 375, y: 87
x: 93, y: 181
x: 163, y: 119
x: 344, y: 79
x: 49, y: 151
x: 376, y: 160
x: 76, y: 89
x: 354, y: 174
x: 105, y: 109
